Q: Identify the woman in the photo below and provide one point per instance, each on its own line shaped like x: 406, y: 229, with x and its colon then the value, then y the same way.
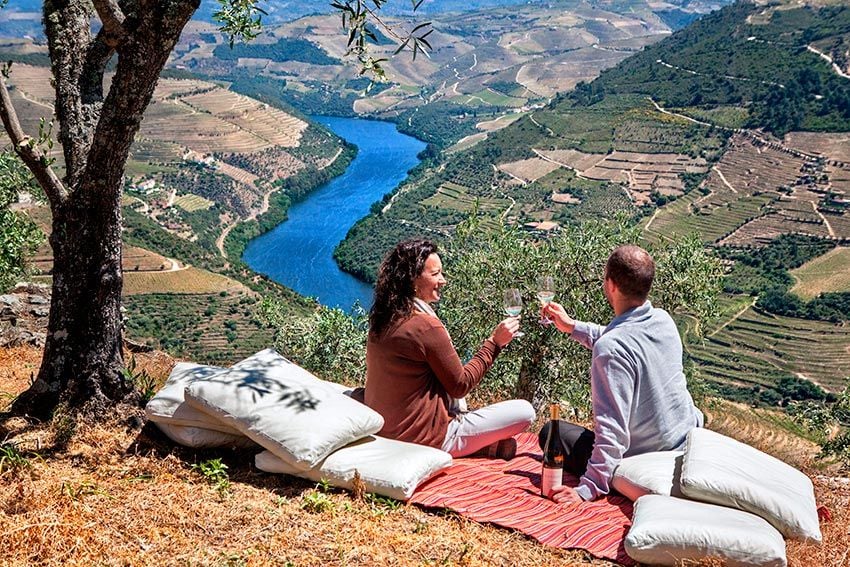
x: 413, y: 372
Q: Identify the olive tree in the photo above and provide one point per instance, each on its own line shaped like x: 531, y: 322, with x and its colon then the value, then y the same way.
x: 82, y: 363
x: 18, y: 234
x: 545, y: 363
x: 480, y: 263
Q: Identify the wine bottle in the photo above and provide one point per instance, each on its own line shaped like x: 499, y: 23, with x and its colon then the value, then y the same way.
x: 553, y: 454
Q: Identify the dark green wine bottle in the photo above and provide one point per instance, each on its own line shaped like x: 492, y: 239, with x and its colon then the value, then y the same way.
x: 553, y: 455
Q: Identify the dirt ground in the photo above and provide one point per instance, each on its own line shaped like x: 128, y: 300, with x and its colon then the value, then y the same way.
x: 119, y: 493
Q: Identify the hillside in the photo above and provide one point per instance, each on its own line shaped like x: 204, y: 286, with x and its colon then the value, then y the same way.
x: 206, y: 163
x: 684, y: 142
x: 487, y: 62
x: 114, y: 492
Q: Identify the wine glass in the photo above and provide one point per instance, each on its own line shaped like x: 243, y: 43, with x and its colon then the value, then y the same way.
x: 513, y: 305
x: 545, y: 294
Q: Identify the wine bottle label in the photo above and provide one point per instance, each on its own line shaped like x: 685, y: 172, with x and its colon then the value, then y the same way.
x: 552, y: 479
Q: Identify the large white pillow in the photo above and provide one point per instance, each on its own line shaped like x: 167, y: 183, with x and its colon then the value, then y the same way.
x: 168, y: 406
x: 201, y: 438
x: 668, y: 531
x: 284, y: 408
x: 649, y: 473
x: 724, y: 471
x: 386, y: 466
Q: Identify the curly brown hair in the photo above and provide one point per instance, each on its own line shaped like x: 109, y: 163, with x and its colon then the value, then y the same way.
x: 394, y: 291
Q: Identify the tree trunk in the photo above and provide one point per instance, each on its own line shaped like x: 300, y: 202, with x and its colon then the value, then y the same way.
x: 83, y: 360
x: 528, y: 381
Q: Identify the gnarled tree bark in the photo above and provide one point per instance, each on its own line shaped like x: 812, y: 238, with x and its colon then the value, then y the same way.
x: 83, y: 360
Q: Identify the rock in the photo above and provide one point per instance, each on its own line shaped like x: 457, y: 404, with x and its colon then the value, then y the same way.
x: 13, y: 336
x: 20, y: 324
x: 10, y: 300
x: 30, y: 287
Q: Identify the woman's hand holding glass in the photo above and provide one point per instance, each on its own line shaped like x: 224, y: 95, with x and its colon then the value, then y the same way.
x: 513, y: 306
x: 505, y: 331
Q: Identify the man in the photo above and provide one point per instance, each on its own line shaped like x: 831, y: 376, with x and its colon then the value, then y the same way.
x: 638, y: 391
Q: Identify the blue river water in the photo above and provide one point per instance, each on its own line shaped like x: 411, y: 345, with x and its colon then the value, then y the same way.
x: 298, y: 253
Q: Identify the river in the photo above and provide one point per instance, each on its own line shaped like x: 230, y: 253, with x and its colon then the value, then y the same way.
x: 298, y: 253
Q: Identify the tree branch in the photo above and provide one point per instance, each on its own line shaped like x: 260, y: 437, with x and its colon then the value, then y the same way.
x: 91, y: 77
x: 29, y: 152
x: 113, y: 21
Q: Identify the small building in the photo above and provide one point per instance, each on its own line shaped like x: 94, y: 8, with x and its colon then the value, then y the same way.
x: 145, y: 187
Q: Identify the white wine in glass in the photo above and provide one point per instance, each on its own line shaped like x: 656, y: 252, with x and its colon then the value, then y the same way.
x: 545, y: 294
x: 513, y: 305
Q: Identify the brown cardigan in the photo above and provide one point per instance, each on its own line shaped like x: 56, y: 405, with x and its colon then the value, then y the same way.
x: 412, y: 371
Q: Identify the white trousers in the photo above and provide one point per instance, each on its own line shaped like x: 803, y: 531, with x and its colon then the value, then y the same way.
x: 474, y: 430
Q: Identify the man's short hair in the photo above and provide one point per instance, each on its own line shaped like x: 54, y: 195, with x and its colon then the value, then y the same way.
x: 632, y: 269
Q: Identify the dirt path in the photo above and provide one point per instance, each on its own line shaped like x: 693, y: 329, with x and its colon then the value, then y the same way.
x: 651, y: 219
x: 823, y: 218
x: 542, y: 127
x: 219, y: 242
x: 723, y: 179
x: 145, y: 208
x: 730, y: 77
x: 734, y: 317
x: 749, y: 133
x: 36, y: 101
x: 176, y: 266
x: 333, y: 159
x: 829, y: 60
x: 556, y: 162
x: 662, y: 110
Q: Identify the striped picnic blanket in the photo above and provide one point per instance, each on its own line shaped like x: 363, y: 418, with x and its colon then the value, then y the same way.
x: 507, y: 493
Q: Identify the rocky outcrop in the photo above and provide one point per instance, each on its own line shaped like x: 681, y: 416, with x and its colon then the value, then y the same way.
x: 23, y: 315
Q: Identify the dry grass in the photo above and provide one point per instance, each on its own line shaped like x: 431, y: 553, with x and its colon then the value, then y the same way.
x: 827, y: 273
x: 118, y: 495
x: 529, y: 170
x: 188, y: 280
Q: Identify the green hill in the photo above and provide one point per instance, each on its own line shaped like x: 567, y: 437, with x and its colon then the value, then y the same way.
x: 697, y: 133
x: 746, y: 55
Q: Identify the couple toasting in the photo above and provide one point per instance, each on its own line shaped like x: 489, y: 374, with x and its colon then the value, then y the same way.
x: 414, y: 376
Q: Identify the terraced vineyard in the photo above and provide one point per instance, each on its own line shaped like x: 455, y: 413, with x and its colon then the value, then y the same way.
x: 767, y: 430
x: 268, y: 123
x: 219, y: 328
x: 827, y: 273
x: 189, y: 280
x: 456, y: 197
x: 756, y: 349
x: 191, y: 202
x: 529, y: 170
x: 751, y: 196
x: 712, y: 216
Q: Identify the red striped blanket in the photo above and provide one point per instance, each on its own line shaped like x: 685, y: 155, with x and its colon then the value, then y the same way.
x: 507, y: 493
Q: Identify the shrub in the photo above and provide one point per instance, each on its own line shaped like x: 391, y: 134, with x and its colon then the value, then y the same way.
x: 19, y: 236
x: 546, y: 364
x: 328, y: 343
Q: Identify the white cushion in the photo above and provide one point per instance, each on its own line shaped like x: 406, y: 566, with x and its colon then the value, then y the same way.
x: 668, y: 531
x: 724, y: 471
x: 650, y: 473
x: 284, y: 408
x: 201, y: 438
x: 168, y: 406
x: 386, y: 466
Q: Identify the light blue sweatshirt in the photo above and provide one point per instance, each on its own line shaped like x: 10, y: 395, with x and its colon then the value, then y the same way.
x: 640, y: 398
